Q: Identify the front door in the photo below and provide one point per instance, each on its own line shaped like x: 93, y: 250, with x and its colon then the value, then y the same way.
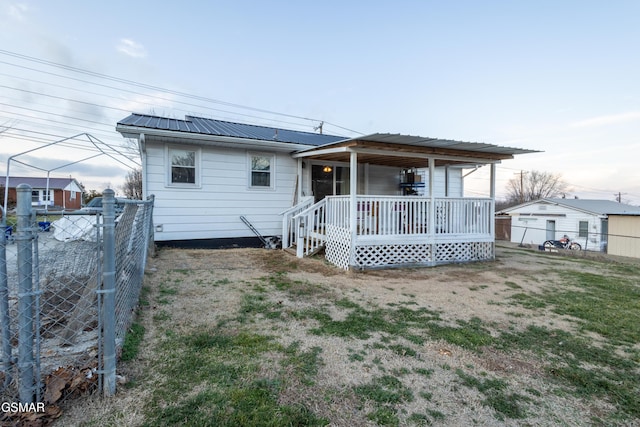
x: 328, y: 180
x: 551, y: 230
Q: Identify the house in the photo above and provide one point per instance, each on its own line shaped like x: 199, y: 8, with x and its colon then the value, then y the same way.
x: 624, y: 234
x: 584, y: 221
x: 61, y: 193
x: 372, y: 201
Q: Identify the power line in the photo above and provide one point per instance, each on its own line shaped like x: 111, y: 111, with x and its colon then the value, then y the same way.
x: 150, y: 87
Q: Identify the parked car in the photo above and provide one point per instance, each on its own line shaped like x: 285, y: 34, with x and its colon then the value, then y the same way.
x: 95, y: 205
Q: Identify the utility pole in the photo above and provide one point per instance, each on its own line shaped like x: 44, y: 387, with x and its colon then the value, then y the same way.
x: 521, y: 185
x: 618, y: 197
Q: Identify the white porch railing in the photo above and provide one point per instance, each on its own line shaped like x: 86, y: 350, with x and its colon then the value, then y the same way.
x: 289, y: 228
x: 393, y: 230
x: 409, y: 215
x: 308, y: 229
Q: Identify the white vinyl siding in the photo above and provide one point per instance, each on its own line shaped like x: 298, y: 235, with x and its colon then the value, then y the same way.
x: 212, y: 208
x: 529, y: 225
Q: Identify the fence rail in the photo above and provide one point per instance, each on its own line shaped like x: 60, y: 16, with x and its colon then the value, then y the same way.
x: 69, y: 286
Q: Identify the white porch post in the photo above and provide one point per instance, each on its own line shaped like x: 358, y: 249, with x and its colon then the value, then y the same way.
x: 492, y: 210
x: 432, y: 209
x: 353, y: 206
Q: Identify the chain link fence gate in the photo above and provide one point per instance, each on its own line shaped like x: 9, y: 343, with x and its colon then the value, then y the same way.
x: 69, y: 287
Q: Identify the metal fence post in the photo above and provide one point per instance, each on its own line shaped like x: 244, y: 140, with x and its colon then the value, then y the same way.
x: 25, y: 295
x: 109, y: 291
x: 4, y: 304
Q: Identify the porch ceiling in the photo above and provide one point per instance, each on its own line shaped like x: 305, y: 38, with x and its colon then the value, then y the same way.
x: 410, y: 151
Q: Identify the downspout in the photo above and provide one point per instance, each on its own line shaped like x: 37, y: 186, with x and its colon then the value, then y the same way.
x: 300, y: 181
x: 143, y: 158
x: 446, y: 181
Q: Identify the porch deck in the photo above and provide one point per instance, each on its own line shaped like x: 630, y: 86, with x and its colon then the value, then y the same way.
x: 393, y: 230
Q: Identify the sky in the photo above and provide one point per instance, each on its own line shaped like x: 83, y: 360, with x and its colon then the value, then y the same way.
x: 558, y: 77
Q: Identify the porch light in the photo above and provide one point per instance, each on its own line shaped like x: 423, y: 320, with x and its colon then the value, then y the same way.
x: 327, y: 169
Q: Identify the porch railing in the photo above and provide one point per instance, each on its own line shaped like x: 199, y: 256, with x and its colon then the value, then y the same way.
x: 289, y: 228
x: 309, y: 229
x: 378, y: 216
x: 408, y: 215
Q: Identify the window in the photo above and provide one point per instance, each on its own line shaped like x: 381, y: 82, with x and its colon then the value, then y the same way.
x: 261, y: 169
x: 183, y: 166
x: 583, y: 229
x: 73, y: 195
x: 41, y: 197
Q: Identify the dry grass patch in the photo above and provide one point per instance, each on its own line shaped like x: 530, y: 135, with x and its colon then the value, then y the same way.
x: 256, y: 337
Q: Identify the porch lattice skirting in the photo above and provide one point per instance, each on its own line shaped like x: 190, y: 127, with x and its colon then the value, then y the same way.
x: 375, y: 256
x: 390, y: 255
x: 338, y: 246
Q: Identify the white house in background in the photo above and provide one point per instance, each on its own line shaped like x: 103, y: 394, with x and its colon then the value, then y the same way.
x: 372, y: 201
x: 584, y: 221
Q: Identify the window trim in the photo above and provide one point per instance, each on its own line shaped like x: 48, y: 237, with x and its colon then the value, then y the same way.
x: 197, y: 165
x: 272, y: 171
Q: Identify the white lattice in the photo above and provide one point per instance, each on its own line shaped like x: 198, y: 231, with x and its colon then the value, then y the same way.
x: 389, y: 255
x: 338, y: 246
x: 463, y: 252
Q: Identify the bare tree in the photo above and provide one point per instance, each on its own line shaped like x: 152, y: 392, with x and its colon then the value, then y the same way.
x: 534, y: 185
x: 132, y: 187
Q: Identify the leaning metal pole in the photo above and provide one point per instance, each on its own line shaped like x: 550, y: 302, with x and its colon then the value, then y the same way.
x: 25, y: 295
x: 109, y: 291
x: 5, y: 349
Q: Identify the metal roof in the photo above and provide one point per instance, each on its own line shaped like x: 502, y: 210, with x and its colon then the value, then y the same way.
x: 54, y: 183
x: 426, y: 142
x: 601, y: 207
x: 212, y: 127
x: 591, y: 206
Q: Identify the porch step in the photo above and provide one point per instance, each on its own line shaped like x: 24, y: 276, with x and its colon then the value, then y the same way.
x: 293, y: 250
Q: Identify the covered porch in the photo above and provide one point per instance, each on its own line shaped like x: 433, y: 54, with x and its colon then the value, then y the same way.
x: 388, y: 230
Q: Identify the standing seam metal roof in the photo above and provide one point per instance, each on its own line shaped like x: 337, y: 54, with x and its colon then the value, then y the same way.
x: 203, y: 126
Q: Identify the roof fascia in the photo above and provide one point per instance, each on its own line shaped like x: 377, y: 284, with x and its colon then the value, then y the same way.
x: 388, y: 153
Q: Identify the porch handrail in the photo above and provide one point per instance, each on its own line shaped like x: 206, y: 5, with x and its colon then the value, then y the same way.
x: 310, y: 228
x: 288, y: 223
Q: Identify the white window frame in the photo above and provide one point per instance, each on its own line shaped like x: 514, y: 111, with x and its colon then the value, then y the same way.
x: 197, y: 166
x: 42, y: 199
x: 272, y: 171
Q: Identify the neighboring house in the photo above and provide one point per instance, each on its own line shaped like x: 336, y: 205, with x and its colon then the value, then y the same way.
x: 584, y: 221
x: 624, y: 235
x: 62, y: 193
x: 370, y: 201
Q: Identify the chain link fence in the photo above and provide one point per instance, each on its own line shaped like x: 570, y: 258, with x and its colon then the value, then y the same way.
x: 69, y: 287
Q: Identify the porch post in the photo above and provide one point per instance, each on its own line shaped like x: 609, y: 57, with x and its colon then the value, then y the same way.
x: 492, y: 210
x: 432, y: 209
x: 353, y: 206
